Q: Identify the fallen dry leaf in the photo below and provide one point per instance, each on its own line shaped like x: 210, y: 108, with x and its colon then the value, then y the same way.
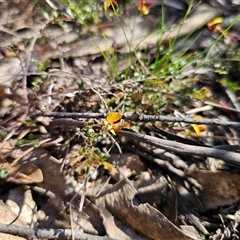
x: 147, y: 220
x: 27, y: 173
x: 117, y: 229
x: 53, y: 178
x: 22, y: 204
x: 7, y: 216
x: 218, y: 188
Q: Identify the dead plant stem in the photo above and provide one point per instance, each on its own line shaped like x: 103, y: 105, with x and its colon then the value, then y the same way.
x: 144, y: 118
x: 186, y: 149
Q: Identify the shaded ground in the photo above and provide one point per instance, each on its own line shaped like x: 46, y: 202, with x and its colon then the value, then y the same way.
x: 119, y: 122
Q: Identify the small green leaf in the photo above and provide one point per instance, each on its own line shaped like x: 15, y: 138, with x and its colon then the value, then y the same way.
x: 104, y: 157
x: 90, y: 132
x: 28, y: 120
x: 233, y: 86
x: 88, y: 164
x: 3, y: 173
x: 3, y: 133
x: 97, y: 151
x: 21, y: 142
x: 80, y: 83
x: 36, y: 144
x: 30, y: 136
x: 14, y: 49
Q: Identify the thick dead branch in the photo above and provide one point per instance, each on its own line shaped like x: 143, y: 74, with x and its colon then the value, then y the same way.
x: 48, y: 233
x: 142, y: 118
x: 230, y: 157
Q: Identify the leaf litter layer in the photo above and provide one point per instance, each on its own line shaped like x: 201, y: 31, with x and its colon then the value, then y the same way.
x: 119, y: 119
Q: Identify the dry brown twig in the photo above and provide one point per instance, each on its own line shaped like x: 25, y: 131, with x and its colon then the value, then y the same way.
x: 186, y: 149
x: 134, y: 116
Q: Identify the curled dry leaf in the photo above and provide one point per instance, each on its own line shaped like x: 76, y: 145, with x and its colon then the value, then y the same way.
x: 26, y: 173
x: 144, y: 218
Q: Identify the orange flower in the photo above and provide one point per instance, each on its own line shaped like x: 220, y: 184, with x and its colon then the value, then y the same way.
x: 110, y: 121
x: 144, y: 6
x: 110, y: 5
